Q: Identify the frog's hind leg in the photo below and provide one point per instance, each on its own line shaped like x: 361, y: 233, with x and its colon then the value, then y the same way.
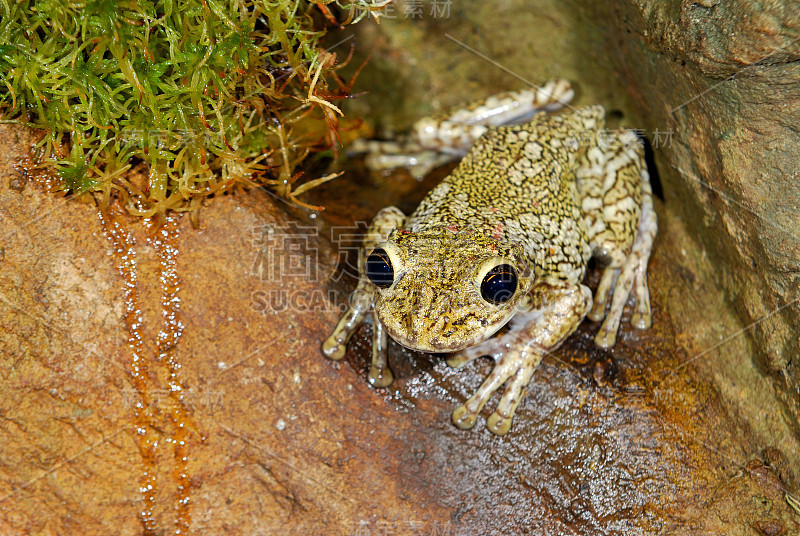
x: 617, y: 203
x: 455, y: 133
x: 437, y: 140
x: 361, y: 304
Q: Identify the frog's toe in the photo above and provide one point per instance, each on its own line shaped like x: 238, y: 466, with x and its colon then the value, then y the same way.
x: 641, y: 320
x: 380, y: 376
x: 459, y: 359
x: 498, y: 424
x: 333, y: 348
x: 605, y: 338
x: 463, y: 418
x: 598, y: 312
x: 607, y: 335
x: 601, y: 295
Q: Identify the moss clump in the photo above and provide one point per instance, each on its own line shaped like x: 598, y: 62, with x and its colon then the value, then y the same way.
x: 207, y: 93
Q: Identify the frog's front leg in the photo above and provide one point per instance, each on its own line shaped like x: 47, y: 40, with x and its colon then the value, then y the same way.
x: 361, y: 304
x: 554, y: 312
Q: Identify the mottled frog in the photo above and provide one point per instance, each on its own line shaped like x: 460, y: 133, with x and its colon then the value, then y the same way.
x: 505, y: 240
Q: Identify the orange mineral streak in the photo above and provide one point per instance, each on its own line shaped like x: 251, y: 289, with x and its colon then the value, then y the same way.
x: 164, y: 243
x: 153, y: 420
x: 145, y: 427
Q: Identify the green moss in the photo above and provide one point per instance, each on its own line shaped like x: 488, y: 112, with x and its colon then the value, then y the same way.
x: 207, y: 93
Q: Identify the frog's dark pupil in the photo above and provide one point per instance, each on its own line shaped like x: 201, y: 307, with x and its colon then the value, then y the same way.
x: 499, y: 284
x: 379, y: 268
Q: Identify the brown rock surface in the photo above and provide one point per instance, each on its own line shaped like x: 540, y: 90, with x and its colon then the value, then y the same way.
x: 281, y: 440
x: 724, y: 77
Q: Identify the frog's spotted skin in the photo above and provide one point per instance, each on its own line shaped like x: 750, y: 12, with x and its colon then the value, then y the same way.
x: 542, y: 197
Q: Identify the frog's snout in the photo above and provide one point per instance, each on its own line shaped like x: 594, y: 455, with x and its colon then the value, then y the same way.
x: 425, y: 341
x: 442, y: 334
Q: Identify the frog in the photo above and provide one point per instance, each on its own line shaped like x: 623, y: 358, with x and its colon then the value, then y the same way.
x: 493, y: 260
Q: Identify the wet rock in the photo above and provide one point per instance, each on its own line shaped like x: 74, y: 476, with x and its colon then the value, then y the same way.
x: 673, y: 431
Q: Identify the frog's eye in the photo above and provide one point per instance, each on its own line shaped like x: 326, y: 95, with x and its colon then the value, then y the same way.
x: 379, y: 268
x: 499, y: 284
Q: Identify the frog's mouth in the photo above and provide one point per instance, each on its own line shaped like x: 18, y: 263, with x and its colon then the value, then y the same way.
x: 444, y: 341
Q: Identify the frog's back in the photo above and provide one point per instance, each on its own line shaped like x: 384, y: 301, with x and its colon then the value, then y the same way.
x: 518, y: 184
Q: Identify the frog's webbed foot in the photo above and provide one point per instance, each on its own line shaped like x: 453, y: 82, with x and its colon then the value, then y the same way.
x: 334, y: 347
x: 361, y: 305
x: 518, y: 353
x: 403, y: 153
